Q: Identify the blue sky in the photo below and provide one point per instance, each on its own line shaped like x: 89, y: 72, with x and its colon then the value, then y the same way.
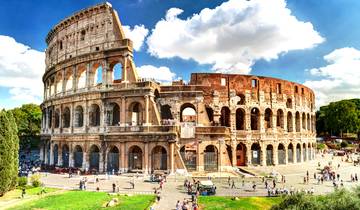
x: 325, y: 56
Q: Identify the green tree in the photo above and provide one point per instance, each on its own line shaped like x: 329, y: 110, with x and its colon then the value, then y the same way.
x: 28, y: 119
x: 8, y: 152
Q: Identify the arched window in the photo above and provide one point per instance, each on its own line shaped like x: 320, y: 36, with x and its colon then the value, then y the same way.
x: 269, y: 155
x: 255, y: 122
x: 94, y: 158
x: 268, y: 118
x: 69, y: 83
x: 57, y: 118
x: 187, y: 113
x: 289, y: 103
x: 297, y: 121
x: 94, y: 115
x: 159, y: 158
x: 98, y: 76
x: 290, y: 122
x: 117, y: 71
x: 81, y: 80
x: 136, y: 114
x: 280, y: 118
x: 240, y: 119
x: 78, y: 156
x: 255, y: 154
x: 79, y: 117
x: 290, y: 153
x: 66, y: 117
x: 242, y: 99
x: 210, y: 113
x: 304, y: 121
x: 281, y: 154
x: 166, y: 112
x: 210, y: 158
x: 113, y: 160
x: 113, y: 114
x: 225, y: 116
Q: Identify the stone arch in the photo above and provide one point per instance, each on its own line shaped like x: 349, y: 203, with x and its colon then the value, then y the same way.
x: 113, y: 114
x: 210, y: 113
x: 297, y: 121
x: 290, y: 122
x: 81, y: 77
x: 303, y: 121
x: 210, y: 158
x: 225, y: 116
x: 56, y: 154
x: 94, y: 115
x: 242, y: 99
x: 68, y: 79
x: 113, y: 159
x: 66, y: 117
x: 241, y: 154
x: 57, y: 118
x: 117, y: 70
x: 166, y: 113
x: 78, y: 156
x: 59, y: 83
x: 268, y: 118
x: 94, y: 158
x: 188, y: 113
x: 65, y: 155
x: 136, y: 114
x: 280, y: 118
x: 159, y: 158
x: 240, y: 119
x: 189, y: 156
x: 290, y: 153
x: 304, y: 152
x: 289, y: 103
x: 298, y: 153
x: 255, y: 119
x: 269, y: 155
x: 96, y: 74
x: 135, y: 158
x: 281, y: 154
x: 79, y: 116
x: 255, y: 154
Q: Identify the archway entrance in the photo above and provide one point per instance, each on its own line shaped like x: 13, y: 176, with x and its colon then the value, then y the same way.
x: 240, y: 155
x: 188, y: 155
x: 255, y: 154
x: 159, y: 158
x: 65, y: 156
x: 56, y: 154
x: 113, y: 159
x: 290, y: 153
x: 94, y: 158
x: 281, y: 154
x: 298, y: 153
x: 210, y: 158
x: 304, y: 152
x: 78, y: 157
x: 269, y: 155
x: 135, y: 158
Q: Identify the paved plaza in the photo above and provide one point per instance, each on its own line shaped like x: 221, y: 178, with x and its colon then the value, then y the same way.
x: 173, y: 189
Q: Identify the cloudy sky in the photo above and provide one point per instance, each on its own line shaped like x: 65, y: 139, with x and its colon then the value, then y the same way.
x: 314, y: 42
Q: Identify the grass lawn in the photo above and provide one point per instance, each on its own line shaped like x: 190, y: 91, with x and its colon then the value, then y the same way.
x: 15, y: 194
x: 248, y: 203
x: 88, y: 200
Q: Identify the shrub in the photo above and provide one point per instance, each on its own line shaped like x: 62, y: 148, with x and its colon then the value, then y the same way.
x: 344, y: 144
x: 22, y: 181
x: 35, y: 180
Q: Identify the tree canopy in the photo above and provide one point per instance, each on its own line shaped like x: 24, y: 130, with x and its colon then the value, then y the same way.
x: 28, y: 119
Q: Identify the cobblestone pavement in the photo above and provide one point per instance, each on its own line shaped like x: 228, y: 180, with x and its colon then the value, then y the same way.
x: 173, y: 189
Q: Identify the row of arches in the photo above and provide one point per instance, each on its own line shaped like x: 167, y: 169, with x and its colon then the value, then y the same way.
x: 91, y: 161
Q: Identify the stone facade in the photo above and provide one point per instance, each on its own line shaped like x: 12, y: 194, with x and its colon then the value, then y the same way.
x: 99, y: 115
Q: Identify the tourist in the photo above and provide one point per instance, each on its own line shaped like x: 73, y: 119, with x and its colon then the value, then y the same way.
x: 304, y: 180
x: 114, y: 187
x: 195, y: 206
x: 229, y: 181
x: 338, y: 176
x: 254, y: 186
x: 178, y: 205
x: 274, y: 183
x: 23, y: 192
x: 266, y: 184
x: 314, y: 175
x: 233, y: 184
x: 356, y: 178
x: 158, y: 196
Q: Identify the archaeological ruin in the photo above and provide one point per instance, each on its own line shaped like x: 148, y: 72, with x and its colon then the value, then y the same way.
x: 99, y: 115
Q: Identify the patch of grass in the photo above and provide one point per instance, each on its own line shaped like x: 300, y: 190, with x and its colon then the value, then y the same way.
x: 15, y: 194
x: 87, y: 200
x: 244, y: 203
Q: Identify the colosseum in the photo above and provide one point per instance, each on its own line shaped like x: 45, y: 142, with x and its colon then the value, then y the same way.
x: 99, y: 115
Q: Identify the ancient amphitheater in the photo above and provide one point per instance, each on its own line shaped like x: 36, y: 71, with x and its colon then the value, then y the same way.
x: 99, y: 115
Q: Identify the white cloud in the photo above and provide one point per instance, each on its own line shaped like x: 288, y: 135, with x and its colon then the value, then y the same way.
x: 162, y: 73
x: 21, y: 69
x: 137, y: 35
x: 233, y: 35
x: 340, y: 79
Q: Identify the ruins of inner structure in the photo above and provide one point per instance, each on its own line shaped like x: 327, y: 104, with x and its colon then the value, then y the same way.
x: 99, y: 115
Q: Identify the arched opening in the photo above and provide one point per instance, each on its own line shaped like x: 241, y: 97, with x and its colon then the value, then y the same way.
x: 56, y: 154
x: 268, y: 118
x: 57, y: 118
x: 210, y: 114
x: 166, y: 112
x: 240, y: 119
x: 290, y: 153
x: 304, y: 152
x: 255, y: 154
x: 79, y: 117
x: 65, y: 156
x: 241, y: 154
x: 280, y: 118
x: 269, y: 155
x: 113, y: 159
x: 229, y: 152
x: 187, y: 113
x: 97, y: 74
x: 242, y: 99
x: 159, y: 158
x: 135, y: 158
x: 94, y: 115
x: 81, y: 79
x: 298, y: 153
x: 255, y: 122
x: 94, y: 158
x: 117, y: 73
x: 289, y: 103
x: 225, y: 116
x: 290, y: 122
x: 66, y: 118
x: 303, y: 121
x: 78, y: 157
x: 113, y: 115
x: 136, y: 114
x: 188, y: 155
x: 309, y: 152
x: 281, y: 154
x: 48, y: 150
x: 210, y: 158
x: 308, y: 122
x: 297, y: 121
x: 69, y: 81
x: 50, y: 118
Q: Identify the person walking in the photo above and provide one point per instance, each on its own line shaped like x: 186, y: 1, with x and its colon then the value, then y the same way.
x: 233, y: 184
x: 114, y: 187
x: 178, y: 205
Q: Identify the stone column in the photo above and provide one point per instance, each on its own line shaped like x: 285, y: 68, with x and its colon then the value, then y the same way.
x: 199, y: 159
x: 123, y: 157
x: 146, y: 110
x: 262, y: 122
x: 172, y: 162
x: 63, y: 81
x: 233, y: 150
x: 286, y: 155
x: 247, y: 120
x: 275, y: 156
x: 146, y: 157
x: 71, y: 156
x: 60, y: 160
x: 101, y: 161
x: 51, y: 153
x: 124, y: 70
x: 123, y: 111
x: 273, y: 121
x: 105, y: 70
x: 294, y: 153
x: 263, y: 155
x: 248, y: 154
x: 74, y: 73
